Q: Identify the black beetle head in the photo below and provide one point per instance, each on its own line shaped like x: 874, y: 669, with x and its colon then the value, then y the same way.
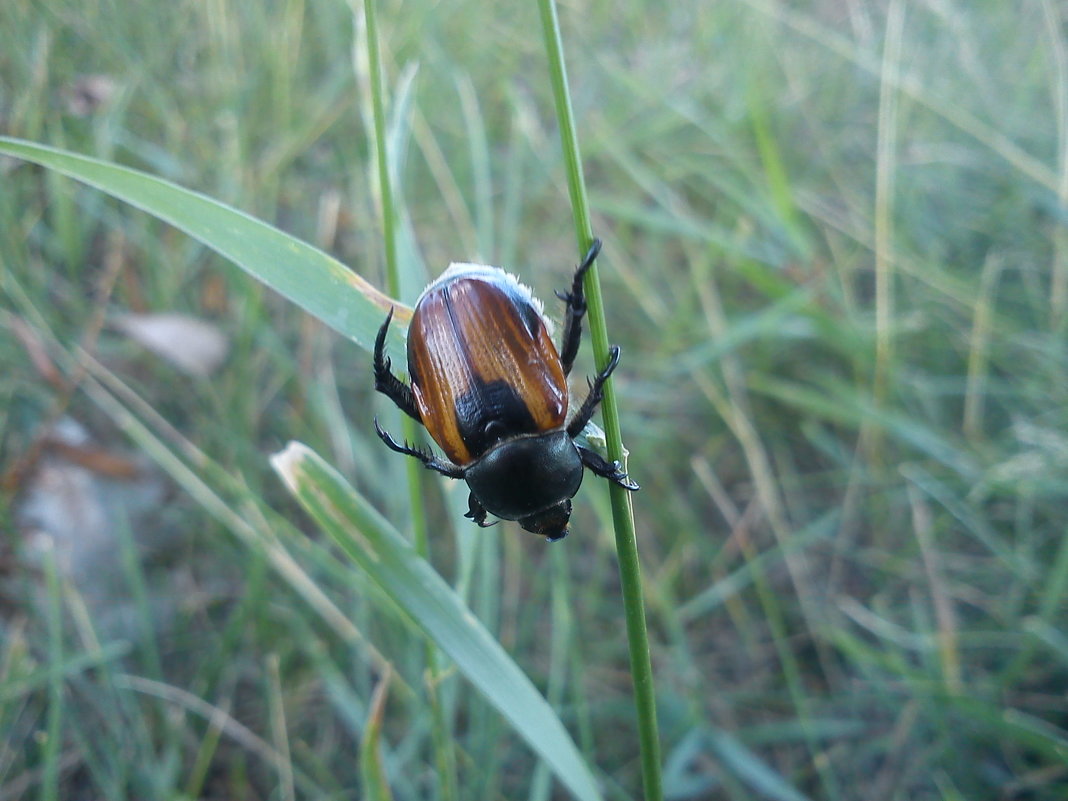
x: 529, y: 479
x: 550, y: 523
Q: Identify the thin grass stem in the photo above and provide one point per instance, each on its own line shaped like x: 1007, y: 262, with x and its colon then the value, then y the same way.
x: 622, y: 512
x: 885, y: 174
x: 53, y: 743
x: 445, y: 756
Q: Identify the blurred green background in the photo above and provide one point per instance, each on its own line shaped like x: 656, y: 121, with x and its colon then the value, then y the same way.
x: 835, y: 259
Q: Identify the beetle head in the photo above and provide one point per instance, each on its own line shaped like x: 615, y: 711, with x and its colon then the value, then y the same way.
x: 530, y: 479
x: 550, y: 523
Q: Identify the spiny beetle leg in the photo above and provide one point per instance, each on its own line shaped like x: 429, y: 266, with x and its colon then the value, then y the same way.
x: 429, y: 461
x: 387, y: 383
x: 576, y: 310
x: 589, y: 406
x: 613, y: 471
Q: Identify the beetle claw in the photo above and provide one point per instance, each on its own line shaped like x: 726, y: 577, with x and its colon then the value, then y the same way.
x: 576, y: 302
x: 477, y: 512
x: 618, y: 476
x: 387, y: 383
x: 613, y: 471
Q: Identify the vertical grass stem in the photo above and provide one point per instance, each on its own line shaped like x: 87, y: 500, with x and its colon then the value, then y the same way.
x: 444, y: 754
x: 885, y: 173
x: 622, y: 512
x: 53, y: 741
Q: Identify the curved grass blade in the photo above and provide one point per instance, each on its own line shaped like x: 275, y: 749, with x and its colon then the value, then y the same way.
x: 372, y: 767
x: 315, y: 281
x: 750, y: 769
x: 432, y: 605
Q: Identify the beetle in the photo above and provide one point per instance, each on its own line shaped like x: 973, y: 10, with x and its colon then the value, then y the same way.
x: 490, y: 387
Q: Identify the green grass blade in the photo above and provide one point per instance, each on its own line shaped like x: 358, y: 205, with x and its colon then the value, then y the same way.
x: 750, y: 769
x: 372, y: 766
x: 315, y: 281
x: 52, y: 744
x: 416, y: 588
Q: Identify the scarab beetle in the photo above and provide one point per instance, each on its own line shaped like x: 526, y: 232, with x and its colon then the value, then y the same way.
x: 490, y: 387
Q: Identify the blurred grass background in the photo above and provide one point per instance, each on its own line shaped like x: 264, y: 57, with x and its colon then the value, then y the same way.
x: 836, y: 261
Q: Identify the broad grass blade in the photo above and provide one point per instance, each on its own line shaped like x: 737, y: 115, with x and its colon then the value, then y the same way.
x: 366, y: 536
x: 315, y: 281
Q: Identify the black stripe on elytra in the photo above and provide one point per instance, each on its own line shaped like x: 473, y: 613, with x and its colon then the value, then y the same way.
x: 490, y: 412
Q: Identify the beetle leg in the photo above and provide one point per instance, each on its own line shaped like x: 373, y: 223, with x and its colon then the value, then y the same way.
x: 387, y: 383
x: 613, y: 471
x: 477, y: 512
x: 576, y: 310
x: 430, y: 462
x: 589, y: 406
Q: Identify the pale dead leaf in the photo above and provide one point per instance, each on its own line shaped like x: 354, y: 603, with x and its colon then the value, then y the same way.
x: 193, y: 345
x: 88, y: 93
x: 76, y: 509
